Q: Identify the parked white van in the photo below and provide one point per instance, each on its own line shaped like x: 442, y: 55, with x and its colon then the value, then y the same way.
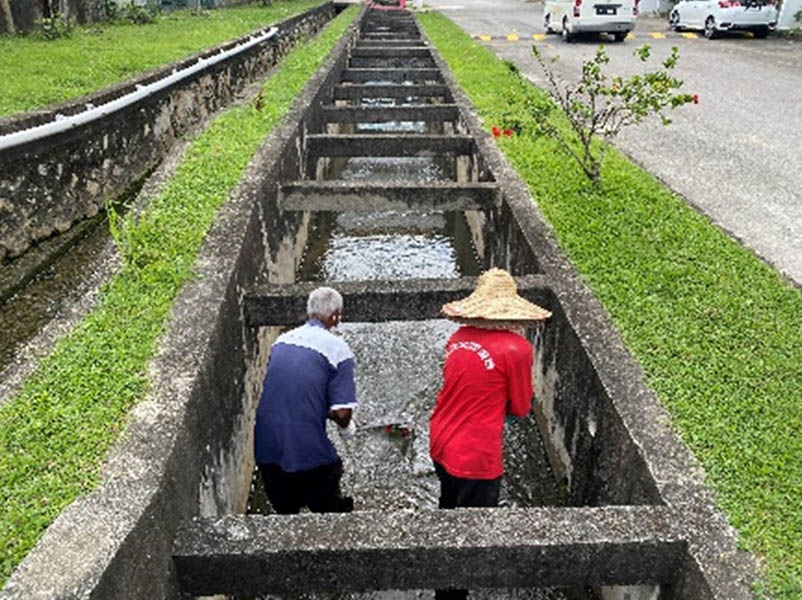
x: 572, y: 17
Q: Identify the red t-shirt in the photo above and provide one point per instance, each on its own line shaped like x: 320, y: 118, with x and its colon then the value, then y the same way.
x: 487, y: 375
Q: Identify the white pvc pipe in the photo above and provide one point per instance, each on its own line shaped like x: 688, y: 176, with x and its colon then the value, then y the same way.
x: 66, y: 122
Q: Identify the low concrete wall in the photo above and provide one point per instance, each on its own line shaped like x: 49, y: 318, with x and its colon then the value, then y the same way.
x: 186, y: 449
x: 49, y: 185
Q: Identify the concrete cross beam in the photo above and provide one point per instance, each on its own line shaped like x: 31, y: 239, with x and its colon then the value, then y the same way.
x: 377, y: 114
x: 377, y: 301
x: 467, y: 548
x: 396, y: 52
x: 384, y: 62
x: 391, y: 24
x: 401, y: 35
x: 338, y: 196
x: 364, y: 75
x: 405, y: 43
x: 319, y: 145
x: 354, y: 92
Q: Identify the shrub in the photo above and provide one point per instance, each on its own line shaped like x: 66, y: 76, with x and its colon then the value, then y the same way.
x: 55, y: 27
x: 597, y: 107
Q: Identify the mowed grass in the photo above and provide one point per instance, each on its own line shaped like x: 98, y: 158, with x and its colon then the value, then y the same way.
x: 37, y: 73
x: 718, y: 332
x: 56, y: 433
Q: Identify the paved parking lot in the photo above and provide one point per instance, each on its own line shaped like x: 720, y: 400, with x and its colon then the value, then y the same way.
x: 736, y: 156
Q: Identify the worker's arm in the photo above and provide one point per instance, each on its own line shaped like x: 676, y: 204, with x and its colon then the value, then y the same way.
x: 342, y: 398
x: 519, y: 386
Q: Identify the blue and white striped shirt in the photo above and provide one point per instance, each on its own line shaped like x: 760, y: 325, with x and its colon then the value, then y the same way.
x: 310, y: 372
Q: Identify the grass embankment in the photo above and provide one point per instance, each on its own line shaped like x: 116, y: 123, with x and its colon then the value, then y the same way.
x: 55, y: 435
x: 718, y: 333
x: 38, y: 73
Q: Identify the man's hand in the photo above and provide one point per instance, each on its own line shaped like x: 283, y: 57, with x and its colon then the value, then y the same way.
x: 347, y: 433
x: 341, y: 416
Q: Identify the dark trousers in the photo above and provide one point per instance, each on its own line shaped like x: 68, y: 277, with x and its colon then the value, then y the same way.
x: 317, y: 488
x: 456, y: 492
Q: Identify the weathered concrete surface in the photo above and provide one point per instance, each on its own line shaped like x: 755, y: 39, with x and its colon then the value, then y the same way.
x: 608, y: 436
x: 351, y: 92
x: 468, y: 548
x: 397, y: 75
x: 48, y: 185
x: 340, y: 196
x: 387, y: 145
x: 186, y: 447
x: 373, y: 301
x: 391, y: 63
x: 604, y: 426
x: 393, y: 52
x: 400, y: 43
x: 373, y: 114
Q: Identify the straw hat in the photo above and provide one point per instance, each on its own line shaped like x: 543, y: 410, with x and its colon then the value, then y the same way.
x: 495, y: 304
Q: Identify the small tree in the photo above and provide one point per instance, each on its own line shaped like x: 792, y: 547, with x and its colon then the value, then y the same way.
x: 598, y: 107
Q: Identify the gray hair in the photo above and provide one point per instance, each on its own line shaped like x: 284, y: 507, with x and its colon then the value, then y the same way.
x: 324, y: 302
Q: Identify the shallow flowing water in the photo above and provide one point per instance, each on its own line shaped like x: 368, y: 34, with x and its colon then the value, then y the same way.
x: 388, y: 245
x: 47, y: 305
x: 398, y: 377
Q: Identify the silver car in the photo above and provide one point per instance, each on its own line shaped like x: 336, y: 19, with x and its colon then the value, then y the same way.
x: 716, y: 16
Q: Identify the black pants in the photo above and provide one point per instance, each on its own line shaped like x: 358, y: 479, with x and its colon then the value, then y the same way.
x: 317, y: 488
x: 456, y: 492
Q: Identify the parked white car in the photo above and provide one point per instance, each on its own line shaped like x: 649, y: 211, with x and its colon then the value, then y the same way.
x: 716, y: 16
x: 573, y: 17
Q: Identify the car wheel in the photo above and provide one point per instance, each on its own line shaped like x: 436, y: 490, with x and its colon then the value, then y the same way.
x: 567, y: 35
x: 762, y: 33
x: 620, y: 36
x: 673, y: 21
x: 710, y: 28
x: 547, y: 24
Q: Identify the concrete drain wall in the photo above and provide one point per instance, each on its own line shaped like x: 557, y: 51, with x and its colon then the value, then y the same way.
x: 639, y: 522
x: 47, y: 185
x: 636, y: 520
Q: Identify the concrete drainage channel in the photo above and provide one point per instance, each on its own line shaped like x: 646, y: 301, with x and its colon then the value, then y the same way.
x: 381, y: 182
x: 607, y: 503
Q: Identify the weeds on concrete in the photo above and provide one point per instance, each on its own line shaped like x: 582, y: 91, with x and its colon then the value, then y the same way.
x: 716, y: 330
x: 55, y: 434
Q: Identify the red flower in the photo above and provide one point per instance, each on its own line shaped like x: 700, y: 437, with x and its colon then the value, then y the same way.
x: 695, y: 98
x: 496, y: 131
x: 508, y: 132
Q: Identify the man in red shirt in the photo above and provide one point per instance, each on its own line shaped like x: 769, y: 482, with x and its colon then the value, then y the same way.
x: 486, y: 377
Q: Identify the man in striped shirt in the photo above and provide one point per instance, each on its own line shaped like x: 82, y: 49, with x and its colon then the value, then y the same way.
x: 310, y: 378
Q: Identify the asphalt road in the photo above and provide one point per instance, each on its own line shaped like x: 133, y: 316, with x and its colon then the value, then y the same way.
x: 736, y: 156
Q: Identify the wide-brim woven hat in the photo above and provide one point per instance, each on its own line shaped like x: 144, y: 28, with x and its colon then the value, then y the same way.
x: 495, y: 301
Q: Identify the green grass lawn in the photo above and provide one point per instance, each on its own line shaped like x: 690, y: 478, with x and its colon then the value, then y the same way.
x: 55, y: 434
x: 718, y: 332
x: 37, y: 73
